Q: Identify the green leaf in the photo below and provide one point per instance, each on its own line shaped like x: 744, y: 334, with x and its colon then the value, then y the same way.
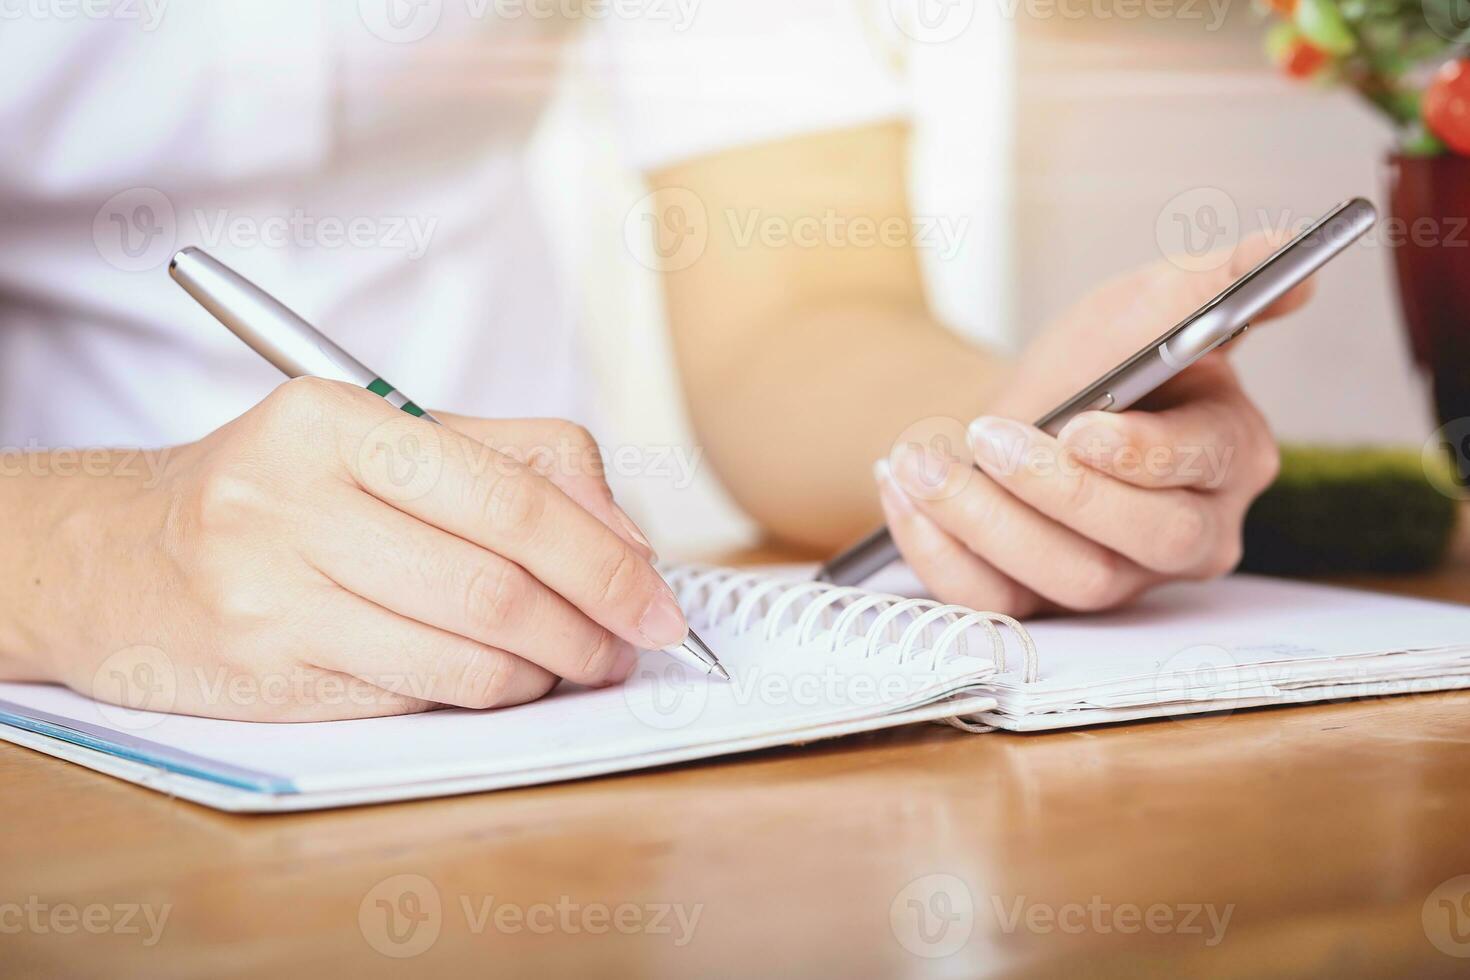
x: 1423, y: 47
x: 1389, y: 65
x: 1382, y: 34
x: 1418, y: 141
x: 1278, y: 39
x: 1322, y: 25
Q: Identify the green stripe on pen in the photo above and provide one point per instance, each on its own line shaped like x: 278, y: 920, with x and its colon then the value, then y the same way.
x: 383, y: 389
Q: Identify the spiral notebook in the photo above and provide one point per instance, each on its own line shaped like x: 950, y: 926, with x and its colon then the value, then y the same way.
x: 808, y: 661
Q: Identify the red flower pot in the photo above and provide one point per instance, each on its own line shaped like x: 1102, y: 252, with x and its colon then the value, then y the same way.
x: 1428, y: 232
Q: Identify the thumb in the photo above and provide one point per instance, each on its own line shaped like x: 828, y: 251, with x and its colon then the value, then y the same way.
x: 1194, y: 289
x: 1123, y: 316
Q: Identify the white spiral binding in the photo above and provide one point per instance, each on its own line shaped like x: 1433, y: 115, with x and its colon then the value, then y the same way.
x: 741, y: 601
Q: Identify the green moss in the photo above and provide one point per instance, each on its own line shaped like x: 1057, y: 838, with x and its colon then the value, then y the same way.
x: 1349, y: 510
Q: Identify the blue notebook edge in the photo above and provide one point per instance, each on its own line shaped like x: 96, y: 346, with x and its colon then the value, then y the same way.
x: 143, y: 751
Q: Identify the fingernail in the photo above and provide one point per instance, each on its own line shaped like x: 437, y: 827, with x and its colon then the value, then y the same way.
x: 663, y: 623
x: 635, y: 532
x: 916, y: 473
x: 1092, y: 438
x: 889, y: 489
x: 907, y: 469
x: 998, y: 443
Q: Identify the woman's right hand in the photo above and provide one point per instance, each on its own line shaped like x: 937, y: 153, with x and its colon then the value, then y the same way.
x: 327, y: 556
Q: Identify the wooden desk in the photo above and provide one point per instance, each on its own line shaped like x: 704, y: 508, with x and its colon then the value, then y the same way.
x: 1323, y: 830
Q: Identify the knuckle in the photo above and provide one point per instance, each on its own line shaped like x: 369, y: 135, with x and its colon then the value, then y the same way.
x: 1262, y: 456
x: 309, y: 410
x: 1268, y: 462
x: 1119, y: 447
x: 1177, y: 545
x: 595, y: 664
x: 980, y: 513
x: 572, y: 434
x: 581, y: 450
x: 1078, y: 490
x: 515, y: 501
x: 618, y: 579
x: 1096, y: 584
x: 302, y: 399
x: 482, y: 682
x: 225, y: 496
x: 243, y: 606
x: 1225, y: 558
x: 1005, y: 598
x: 495, y: 594
x: 542, y: 460
x: 530, y: 689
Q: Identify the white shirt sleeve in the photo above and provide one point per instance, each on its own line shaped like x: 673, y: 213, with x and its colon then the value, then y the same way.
x: 689, y: 78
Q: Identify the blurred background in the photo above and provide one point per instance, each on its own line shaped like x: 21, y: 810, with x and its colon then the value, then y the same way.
x: 1070, y: 142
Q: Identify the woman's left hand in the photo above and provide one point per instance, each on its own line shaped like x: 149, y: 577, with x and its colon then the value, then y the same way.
x: 1116, y: 503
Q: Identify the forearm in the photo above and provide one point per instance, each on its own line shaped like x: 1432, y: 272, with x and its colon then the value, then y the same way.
x: 53, y: 507
x: 803, y: 338
x: 793, y: 424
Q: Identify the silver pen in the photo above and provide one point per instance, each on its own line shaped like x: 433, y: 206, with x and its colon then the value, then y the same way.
x: 277, y: 334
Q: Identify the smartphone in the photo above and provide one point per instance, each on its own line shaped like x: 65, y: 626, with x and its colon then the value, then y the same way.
x: 1222, y: 319
x: 1213, y: 325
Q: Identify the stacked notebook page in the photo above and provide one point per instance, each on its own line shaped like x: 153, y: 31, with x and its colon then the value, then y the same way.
x: 1238, y: 643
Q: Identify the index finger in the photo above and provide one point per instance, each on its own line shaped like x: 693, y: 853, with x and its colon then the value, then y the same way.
x: 564, y: 453
x: 470, y: 490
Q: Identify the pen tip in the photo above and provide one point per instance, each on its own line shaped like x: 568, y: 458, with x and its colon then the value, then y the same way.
x: 707, y: 656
